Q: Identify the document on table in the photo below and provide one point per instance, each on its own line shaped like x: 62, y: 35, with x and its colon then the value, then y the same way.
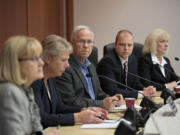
x: 123, y: 107
x: 106, y: 124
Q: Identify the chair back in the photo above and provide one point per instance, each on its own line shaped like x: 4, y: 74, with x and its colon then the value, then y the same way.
x: 94, y: 56
x: 137, y: 50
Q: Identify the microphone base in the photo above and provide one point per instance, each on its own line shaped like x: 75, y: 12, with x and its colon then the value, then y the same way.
x: 125, y: 129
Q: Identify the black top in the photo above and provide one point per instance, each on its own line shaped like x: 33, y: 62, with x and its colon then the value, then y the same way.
x: 152, y: 72
x: 53, y: 112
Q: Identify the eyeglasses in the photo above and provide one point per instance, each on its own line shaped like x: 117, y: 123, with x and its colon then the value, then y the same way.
x: 36, y: 59
x: 82, y: 42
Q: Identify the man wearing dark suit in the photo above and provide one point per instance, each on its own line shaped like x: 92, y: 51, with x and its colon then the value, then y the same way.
x: 116, y: 66
x: 79, y: 84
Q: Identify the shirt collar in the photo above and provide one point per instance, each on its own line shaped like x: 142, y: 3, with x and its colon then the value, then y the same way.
x: 81, y: 64
x: 156, y: 61
x: 122, y: 60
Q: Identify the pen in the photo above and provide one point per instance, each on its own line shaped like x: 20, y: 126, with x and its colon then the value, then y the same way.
x: 58, y: 127
x: 100, y: 117
x: 114, y: 100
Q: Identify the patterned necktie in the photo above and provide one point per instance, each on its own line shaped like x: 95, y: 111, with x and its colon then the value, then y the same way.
x: 126, y: 71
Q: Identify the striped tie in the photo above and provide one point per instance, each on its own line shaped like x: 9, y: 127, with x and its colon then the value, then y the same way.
x: 126, y: 71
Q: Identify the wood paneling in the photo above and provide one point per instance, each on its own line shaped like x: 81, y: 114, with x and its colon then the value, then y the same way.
x: 69, y: 19
x: 13, y: 18
x: 37, y: 18
x: 44, y: 18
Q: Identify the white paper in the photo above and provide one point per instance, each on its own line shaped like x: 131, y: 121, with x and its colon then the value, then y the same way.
x: 123, y: 107
x: 106, y: 124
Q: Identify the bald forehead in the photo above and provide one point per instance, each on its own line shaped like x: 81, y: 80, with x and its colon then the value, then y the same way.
x: 125, y: 34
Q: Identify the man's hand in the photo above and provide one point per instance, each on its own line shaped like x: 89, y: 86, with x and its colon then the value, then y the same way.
x: 114, y: 101
x: 149, y: 91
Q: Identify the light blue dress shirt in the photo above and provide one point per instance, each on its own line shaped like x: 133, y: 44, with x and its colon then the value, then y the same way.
x: 84, y: 69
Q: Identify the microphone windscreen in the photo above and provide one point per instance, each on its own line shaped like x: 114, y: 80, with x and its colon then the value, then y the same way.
x: 134, y: 116
x: 176, y: 58
x: 125, y: 129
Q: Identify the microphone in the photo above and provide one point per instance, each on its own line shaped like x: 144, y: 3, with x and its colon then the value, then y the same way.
x: 89, y: 75
x: 151, y: 103
x: 147, y: 103
x: 165, y: 90
x: 176, y: 58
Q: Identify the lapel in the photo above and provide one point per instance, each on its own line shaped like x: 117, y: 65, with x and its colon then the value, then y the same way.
x: 52, y: 94
x: 93, y: 79
x: 118, y: 66
x: 157, y: 68
x: 75, y: 66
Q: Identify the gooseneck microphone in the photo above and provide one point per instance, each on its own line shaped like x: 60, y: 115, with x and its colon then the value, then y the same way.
x: 89, y: 75
x: 151, y: 103
x: 149, y: 106
x: 167, y: 91
x: 176, y: 58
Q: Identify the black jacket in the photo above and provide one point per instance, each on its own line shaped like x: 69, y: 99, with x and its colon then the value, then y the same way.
x: 52, y: 112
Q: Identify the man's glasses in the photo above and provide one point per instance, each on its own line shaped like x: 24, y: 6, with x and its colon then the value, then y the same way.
x: 36, y: 59
x: 83, y: 42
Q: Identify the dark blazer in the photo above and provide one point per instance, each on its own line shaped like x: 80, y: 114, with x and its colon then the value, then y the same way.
x: 74, y: 89
x: 152, y: 72
x: 111, y: 66
x: 52, y: 112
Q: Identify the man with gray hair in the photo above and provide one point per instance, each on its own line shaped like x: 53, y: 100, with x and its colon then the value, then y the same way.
x: 80, y: 84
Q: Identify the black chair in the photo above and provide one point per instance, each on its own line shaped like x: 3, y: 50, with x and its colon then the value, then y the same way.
x: 137, y: 50
x: 94, y: 56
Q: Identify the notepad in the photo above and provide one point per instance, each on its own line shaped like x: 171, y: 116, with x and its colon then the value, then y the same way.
x: 106, y: 124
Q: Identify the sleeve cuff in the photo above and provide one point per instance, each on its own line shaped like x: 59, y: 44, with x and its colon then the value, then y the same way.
x: 140, y: 95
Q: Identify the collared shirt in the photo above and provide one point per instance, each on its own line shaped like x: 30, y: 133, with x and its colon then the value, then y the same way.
x: 123, y: 61
x: 161, y: 65
x: 85, y: 71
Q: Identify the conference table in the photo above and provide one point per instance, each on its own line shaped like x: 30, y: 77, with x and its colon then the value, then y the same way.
x: 77, y: 130
x: 163, y: 122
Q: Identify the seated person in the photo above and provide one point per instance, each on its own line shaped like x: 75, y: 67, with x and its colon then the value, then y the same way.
x: 118, y: 64
x: 53, y: 112
x: 79, y: 85
x: 154, y: 65
x: 20, y: 65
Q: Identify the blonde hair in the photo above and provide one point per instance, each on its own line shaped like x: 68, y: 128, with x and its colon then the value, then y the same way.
x: 150, y: 44
x: 53, y: 45
x: 15, y: 48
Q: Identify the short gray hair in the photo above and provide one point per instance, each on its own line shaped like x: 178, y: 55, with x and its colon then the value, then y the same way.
x: 79, y: 28
x: 150, y: 44
x: 54, y: 44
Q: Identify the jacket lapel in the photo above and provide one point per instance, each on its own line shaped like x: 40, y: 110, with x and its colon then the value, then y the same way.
x: 158, y: 69
x: 79, y: 73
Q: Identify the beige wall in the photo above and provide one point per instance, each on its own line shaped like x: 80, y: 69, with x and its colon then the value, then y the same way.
x: 106, y: 17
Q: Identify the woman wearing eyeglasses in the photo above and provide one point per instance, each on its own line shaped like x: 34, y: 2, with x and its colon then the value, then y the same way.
x: 20, y: 65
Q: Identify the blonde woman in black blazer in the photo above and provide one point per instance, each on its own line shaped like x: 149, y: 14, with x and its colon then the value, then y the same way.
x: 154, y: 65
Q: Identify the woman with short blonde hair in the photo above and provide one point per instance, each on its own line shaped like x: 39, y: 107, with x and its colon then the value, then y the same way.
x: 20, y: 65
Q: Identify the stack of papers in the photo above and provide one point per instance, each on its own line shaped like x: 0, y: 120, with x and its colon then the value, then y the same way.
x: 106, y: 124
x: 123, y: 107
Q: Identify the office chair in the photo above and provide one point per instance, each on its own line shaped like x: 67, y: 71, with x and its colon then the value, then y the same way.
x: 94, y: 56
x: 137, y: 50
